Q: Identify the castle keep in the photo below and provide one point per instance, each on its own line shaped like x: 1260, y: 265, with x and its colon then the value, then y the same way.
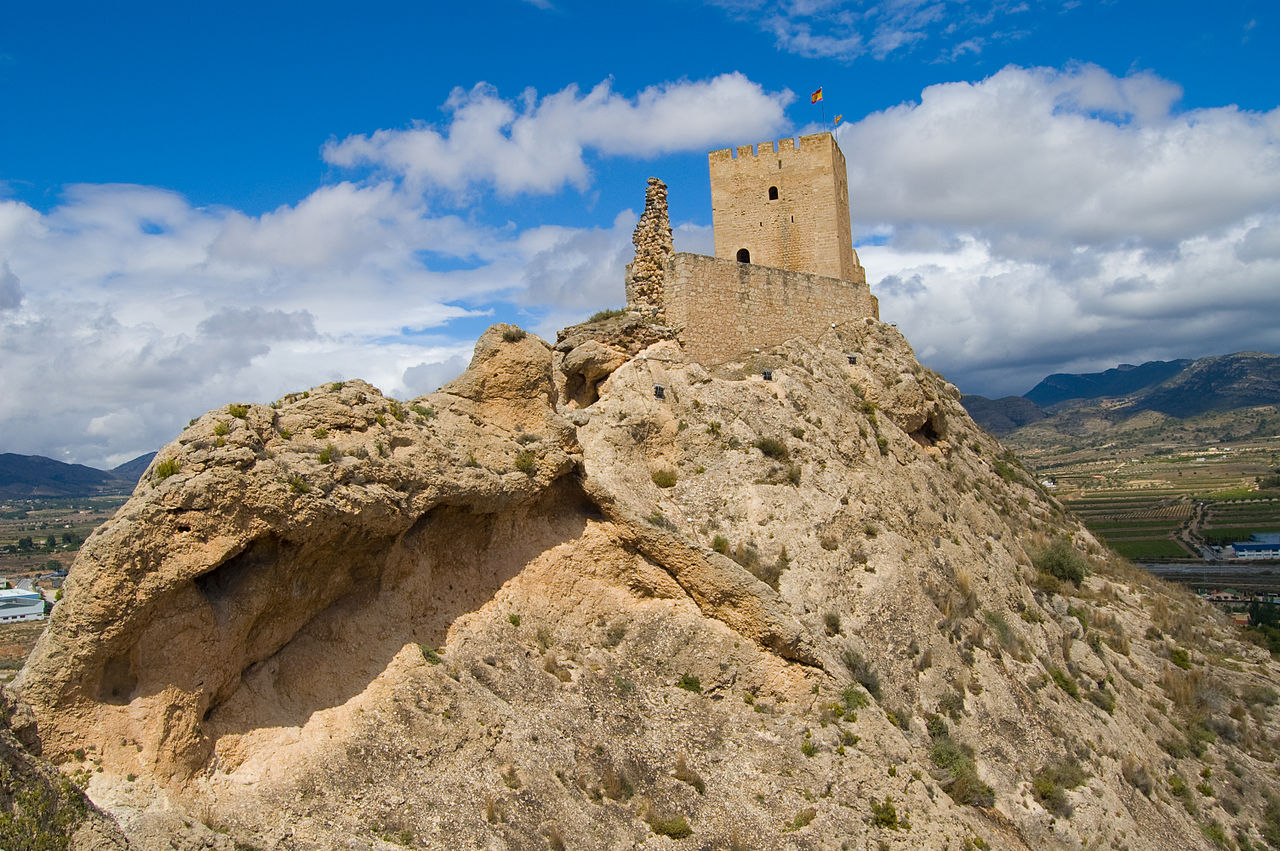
x: 784, y: 266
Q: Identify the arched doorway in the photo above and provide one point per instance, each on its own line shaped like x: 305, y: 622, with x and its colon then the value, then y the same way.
x: 744, y: 256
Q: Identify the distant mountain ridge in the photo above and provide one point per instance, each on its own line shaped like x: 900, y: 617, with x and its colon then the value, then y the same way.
x: 25, y: 476
x: 1178, y: 388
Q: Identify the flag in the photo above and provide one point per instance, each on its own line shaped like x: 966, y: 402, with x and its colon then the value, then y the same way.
x: 816, y: 96
x: 837, y: 124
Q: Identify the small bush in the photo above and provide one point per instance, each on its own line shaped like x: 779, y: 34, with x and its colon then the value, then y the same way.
x: 1065, y: 682
x: 320, y: 432
x: 1135, y: 773
x: 238, y: 411
x: 167, y: 468
x: 690, y: 682
x: 808, y: 747
x: 299, y: 485
x: 427, y: 412
x: 1061, y: 561
x: 664, y: 478
x: 773, y: 448
x: 720, y: 544
x: 329, y: 454
x: 607, y: 313
x: 1103, y: 699
x: 221, y: 429
x: 660, y: 520
x: 884, y: 814
x: 677, y: 827
x: 514, y: 335
x: 831, y: 620
x: 1180, y: 657
x: 513, y: 619
x: 1050, y: 783
x: 430, y: 654
x: 526, y: 462
x: 804, y: 818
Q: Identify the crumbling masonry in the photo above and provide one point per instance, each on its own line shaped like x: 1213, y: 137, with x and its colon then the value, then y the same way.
x: 784, y: 267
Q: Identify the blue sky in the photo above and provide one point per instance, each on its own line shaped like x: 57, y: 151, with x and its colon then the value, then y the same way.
x: 200, y: 205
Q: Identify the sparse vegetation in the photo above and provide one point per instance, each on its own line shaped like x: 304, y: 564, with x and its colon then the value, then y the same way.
x: 526, y: 462
x: 664, y: 478
x: 1065, y: 682
x: 221, y: 429
x: 861, y: 671
x: 885, y: 814
x: 773, y: 448
x: 1061, y: 561
x: 514, y: 335
x: 297, y: 484
x: 687, y: 775
x: 240, y: 412
x: 607, y: 313
x: 690, y: 682
x: 677, y: 826
x: 1051, y: 783
x: 167, y: 468
x: 720, y: 544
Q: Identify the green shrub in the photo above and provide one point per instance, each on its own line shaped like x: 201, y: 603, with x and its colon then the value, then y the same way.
x: 677, y: 827
x: 884, y: 814
x: 831, y: 620
x: 1180, y: 657
x: 808, y: 747
x: 1065, y: 682
x: 238, y: 411
x: 430, y: 654
x: 664, y: 478
x: 297, y: 484
x: 167, y: 468
x: 607, y: 313
x: 514, y: 335
x: 427, y: 412
x: 803, y: 818
x: 720, y: 544
x: 329, y: 454
x: 336, y: 386
x: 964, y: 785
x: 1061, y: 561
x: 773, y: 448
x: 690, y: 682
x: 221, y: 429
x: 320, y: 432
x: 513, y: 619
x: 1050, y: 783
x: 1103, y: 699
x: 526, y: 462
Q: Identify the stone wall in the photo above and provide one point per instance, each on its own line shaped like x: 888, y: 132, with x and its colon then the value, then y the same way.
x: 806, y: 228
x: 652, y: 239
x: 722, y: 308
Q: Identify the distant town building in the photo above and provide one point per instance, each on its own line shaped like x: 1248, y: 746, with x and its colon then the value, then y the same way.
x: 17, y: 604
x: 1264, y: 545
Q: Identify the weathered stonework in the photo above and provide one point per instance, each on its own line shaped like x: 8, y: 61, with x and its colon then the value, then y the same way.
x: 786, y: 205
x: 723, y: 308
x: 652, y: 239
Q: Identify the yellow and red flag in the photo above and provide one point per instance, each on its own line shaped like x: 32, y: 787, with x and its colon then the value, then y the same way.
x: 816, y: 96
x: 837, y: 124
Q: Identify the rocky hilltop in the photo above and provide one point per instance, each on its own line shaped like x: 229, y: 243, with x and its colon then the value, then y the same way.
x: 591, y: 595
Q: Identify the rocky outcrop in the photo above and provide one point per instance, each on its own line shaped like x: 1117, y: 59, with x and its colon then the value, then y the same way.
x: 791, y: 601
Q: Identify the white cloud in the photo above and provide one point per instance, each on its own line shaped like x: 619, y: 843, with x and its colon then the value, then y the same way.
x: 539, y: 144
x: 845, y: 30
x: 1044, y: 220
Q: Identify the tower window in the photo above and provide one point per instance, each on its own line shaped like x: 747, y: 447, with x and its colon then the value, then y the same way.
x: 744, y: 256
x: 773, y: 193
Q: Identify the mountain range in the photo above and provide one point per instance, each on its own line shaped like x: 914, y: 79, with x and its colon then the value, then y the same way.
x: 24, y: 476
x: 1178, y: 388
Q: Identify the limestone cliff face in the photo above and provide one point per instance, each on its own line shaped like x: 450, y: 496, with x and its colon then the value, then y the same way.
x: 546, y: 606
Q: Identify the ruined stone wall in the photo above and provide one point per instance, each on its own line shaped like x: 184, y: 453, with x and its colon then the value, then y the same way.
x: 806, y: 228
x: 652, y: 239
x: 723, y: 308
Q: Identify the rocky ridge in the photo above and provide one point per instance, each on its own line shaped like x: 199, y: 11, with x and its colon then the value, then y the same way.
x: 551, y: 605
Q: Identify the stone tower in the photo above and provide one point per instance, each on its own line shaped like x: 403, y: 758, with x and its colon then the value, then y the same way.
x: 786, y: 206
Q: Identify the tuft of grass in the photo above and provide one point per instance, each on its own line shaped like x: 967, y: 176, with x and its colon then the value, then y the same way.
x: 686, y: 774
x: 320, y: 432
x: 885, y: 814
x: 690, y: 682
x: 427, y: 412
x: 808, y: 747
x: 720, y: 544
x: 514, y: 335
x: 221, y: 429
x: 607, y: 313
x: 665, y: 478
x: 329, y: 454
x: 513, y: 619
x: 167, y: 468
x: 1065, y: 682
x: 773, y: 448
x: 861, y: 671
x: 831, y: 620
x: 297, y: 484
x: 677, y: 826
x: 526, y: 462
x: 657, y: 518
x: 238, y: 411
x: 803, y: 818
x: 430, y: 654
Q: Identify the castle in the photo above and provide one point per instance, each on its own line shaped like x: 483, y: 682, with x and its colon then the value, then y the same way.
x: 784, y: 267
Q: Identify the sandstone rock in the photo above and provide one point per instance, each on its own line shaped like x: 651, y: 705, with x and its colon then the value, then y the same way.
x: 509, y: 612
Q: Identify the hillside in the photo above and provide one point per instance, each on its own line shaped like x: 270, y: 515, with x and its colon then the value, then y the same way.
x: 551, y: 606
x: 31, y: 476
x: 1095, y: 403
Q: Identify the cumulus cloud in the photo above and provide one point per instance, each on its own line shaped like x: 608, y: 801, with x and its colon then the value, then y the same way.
x: 848, y: 29
x: 10, y: 288
x: 539, y: 144
x: 1042, y: 220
